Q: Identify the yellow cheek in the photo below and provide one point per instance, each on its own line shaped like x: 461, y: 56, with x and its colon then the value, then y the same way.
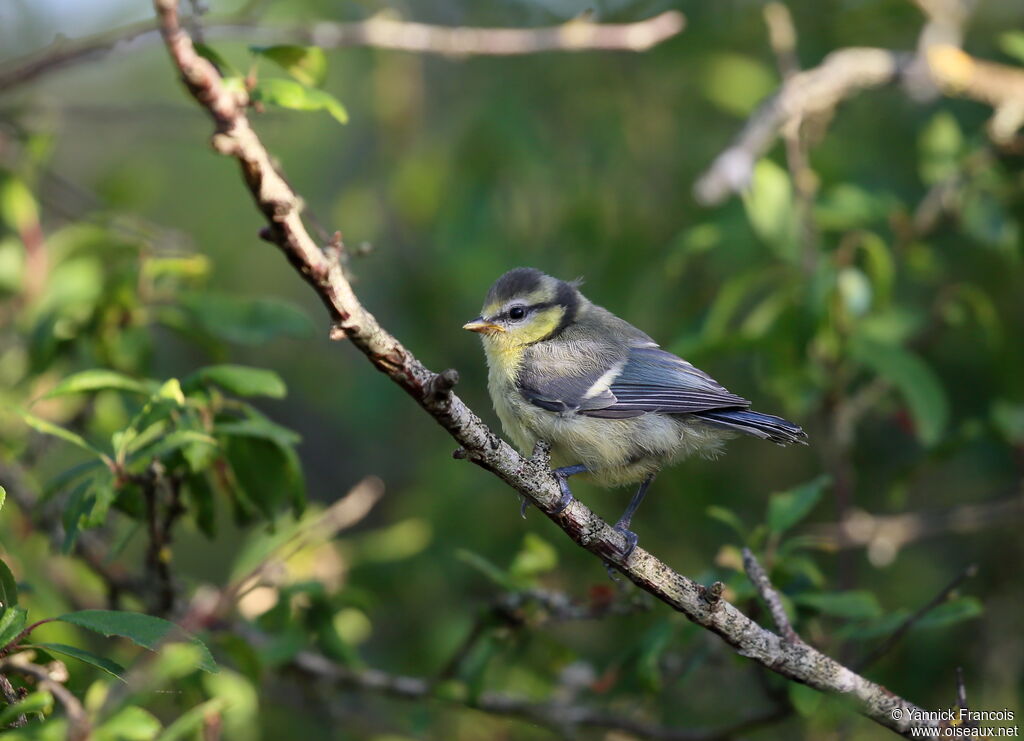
x: 540, y: 326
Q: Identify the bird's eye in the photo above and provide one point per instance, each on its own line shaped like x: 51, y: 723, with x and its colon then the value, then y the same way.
x: 516, y: 312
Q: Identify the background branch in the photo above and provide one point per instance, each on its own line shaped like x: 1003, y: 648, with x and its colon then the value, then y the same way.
x: 530, y: 477
x: 846, y: 72
x: 379, y: 32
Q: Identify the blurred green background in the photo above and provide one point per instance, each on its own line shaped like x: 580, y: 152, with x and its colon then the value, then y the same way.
x: 582, y: 165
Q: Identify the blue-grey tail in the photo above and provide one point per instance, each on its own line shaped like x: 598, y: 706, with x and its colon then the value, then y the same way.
x: 764, y: 426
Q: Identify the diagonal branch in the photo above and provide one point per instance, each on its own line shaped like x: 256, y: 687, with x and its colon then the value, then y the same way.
x: 378, y: 32
x: 531, y: 477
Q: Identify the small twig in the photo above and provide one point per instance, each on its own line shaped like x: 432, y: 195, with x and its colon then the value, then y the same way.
x: 158, y: 554
x: 961, y: 689
x: 79, y: 728
x: 11, y: 697
x: 15, y: 642
x: 558, y: 607
x: 346, y: 512
x: 759, y: 577
x: 887, y: 645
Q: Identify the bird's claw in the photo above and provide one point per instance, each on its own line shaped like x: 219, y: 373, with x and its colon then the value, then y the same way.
x: 524, y: 504
x: 631, y: 540
x: 566, y: 499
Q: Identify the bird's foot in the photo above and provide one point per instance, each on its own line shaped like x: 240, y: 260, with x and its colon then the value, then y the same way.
x: 631, y: 539
x: 561, y: 475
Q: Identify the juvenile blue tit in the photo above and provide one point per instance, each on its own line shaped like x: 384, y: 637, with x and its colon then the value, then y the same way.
x: 611, y: 403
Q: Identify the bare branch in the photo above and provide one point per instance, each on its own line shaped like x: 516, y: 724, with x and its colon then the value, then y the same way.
x: 887, y: 645
x: 379, y: 32
x: 759, y: 577
x: 841, y: 75
x: 558, y: 716
x: 885, y: 535
x: 343, y: 514
x: 532, y: 477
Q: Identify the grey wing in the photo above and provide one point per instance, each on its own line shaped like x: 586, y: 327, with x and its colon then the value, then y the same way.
x: 647, y: 379
x: 653, y: 380
x: 581, y: 386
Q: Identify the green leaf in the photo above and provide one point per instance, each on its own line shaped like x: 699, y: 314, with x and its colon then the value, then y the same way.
x: 940, y: 146
x: 110, y: 667
x: 130, y: 723
x: 307, y: 64
x: 49, y: 428
x: 257, y: 427
x: 728, y: 518
x: 984, y: 217
x: 211, y: 55
x: 246, y: 321
x: 736, y: 83
x: 1008, y: 418
x: 1012, y: 44
x: 12, y: 622
x: 96, y: 380
x: 3, y: 497
x: 853, y: 605
x: 34, y: 702
x: 952, y: 612
x: 171, y: 389
x: 177, y: 440
x: 883, y: 625
x: 487, y: 568
x: 292, y: 95
x: 535, y: 557
x: 18, y: 207
x: 144, y: 630
x: 187, y: 724
x: 769, y: 206
x: 76, y: 510
x: 8, y: 588
x: 241, y: 380
x: 805, y: 699
x: 916, y: 382
x: 269, y: 473
x: 786, y: 509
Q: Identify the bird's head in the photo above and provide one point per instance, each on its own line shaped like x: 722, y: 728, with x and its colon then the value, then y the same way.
x: 525, y: 306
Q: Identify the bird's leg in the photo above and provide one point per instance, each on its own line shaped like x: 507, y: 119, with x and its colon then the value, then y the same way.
x: 623, y: 524
x: 561, y: 474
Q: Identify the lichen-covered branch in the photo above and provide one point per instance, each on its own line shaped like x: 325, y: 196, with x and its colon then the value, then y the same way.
x: 530, y: 477
x: 759, y: 577
x: 380, y: 32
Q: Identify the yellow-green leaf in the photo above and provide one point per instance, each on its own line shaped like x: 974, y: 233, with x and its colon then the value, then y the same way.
x: 297, y: 97
x: 307, y: 64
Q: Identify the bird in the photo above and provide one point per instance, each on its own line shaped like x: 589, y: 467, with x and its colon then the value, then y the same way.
x: 613, y: 406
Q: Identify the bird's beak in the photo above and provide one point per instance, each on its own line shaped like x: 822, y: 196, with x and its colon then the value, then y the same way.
x: 482, y: 326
